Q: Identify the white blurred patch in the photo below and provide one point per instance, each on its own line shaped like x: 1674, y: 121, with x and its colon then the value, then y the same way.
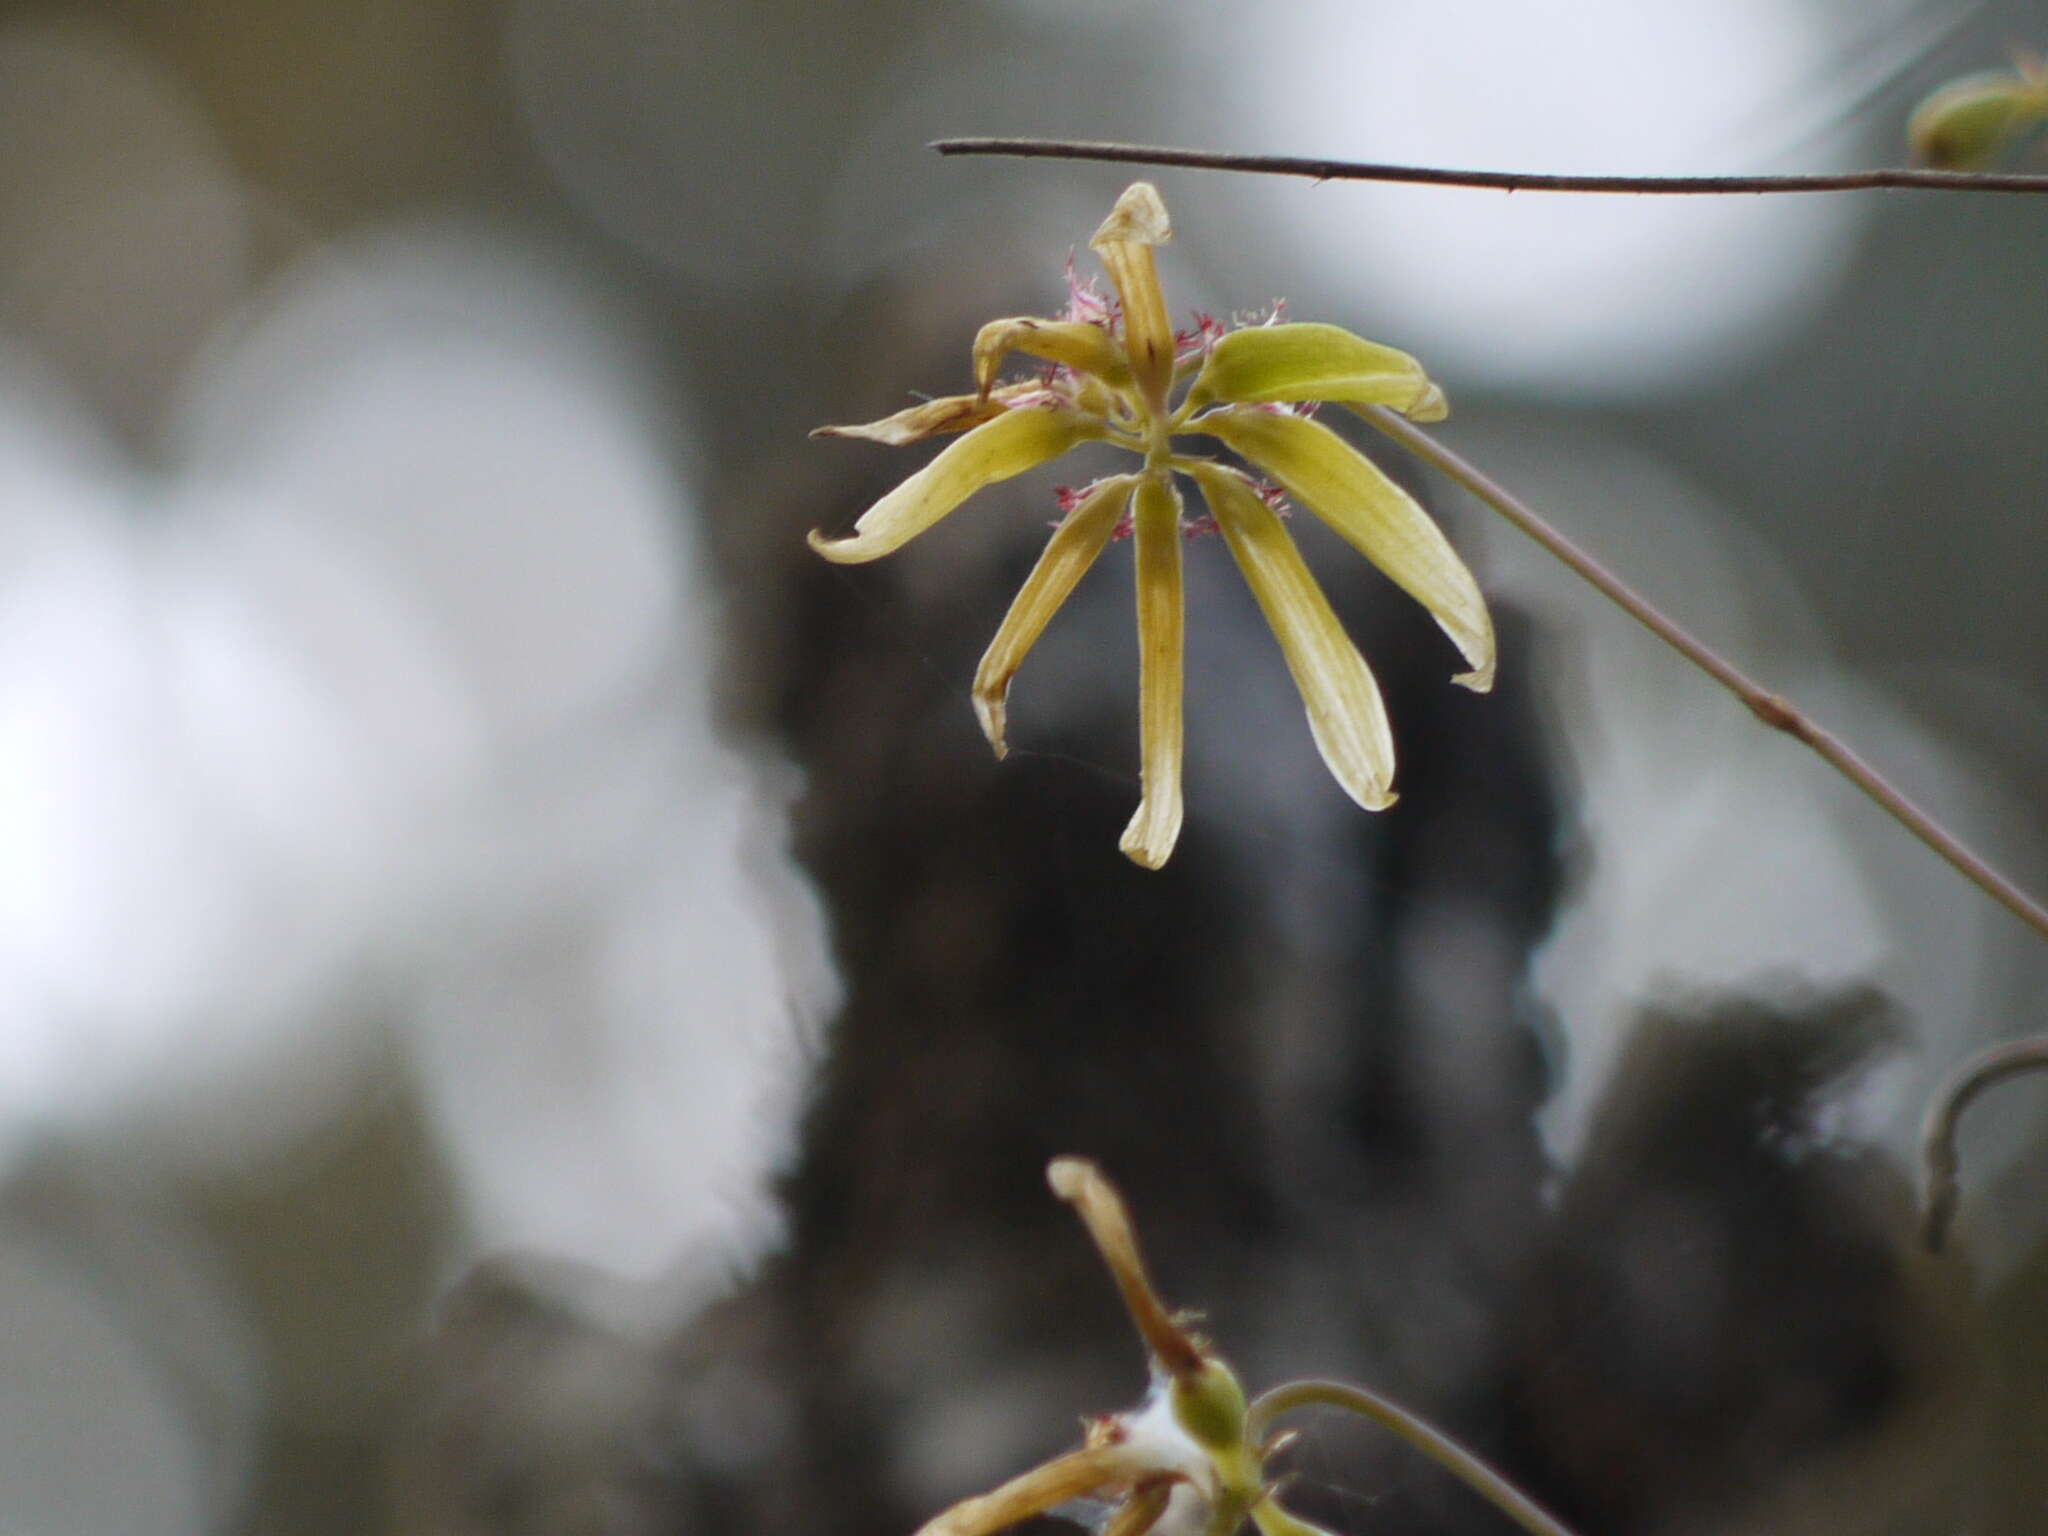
x: 1588, y: 296
x: 613, y: 1068
x: 393, y: 704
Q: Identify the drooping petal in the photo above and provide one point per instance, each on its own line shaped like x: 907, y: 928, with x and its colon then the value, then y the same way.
x: 1430, y: 405
x: 1073, y: 548
x: 1305, y: 361
x: 1345, y: 712
x: 1095, y: 1200
x: 1125, y: 242
x: 1355, y: 497
x: 1162, y: 643
x: 1013, y: 442
x: 932, y: 418
x: 1083, y: 347
x: 1071, y: 1476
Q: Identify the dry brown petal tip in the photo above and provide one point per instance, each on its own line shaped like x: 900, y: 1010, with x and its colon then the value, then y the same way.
x: 1101, y: 1209
x: 1071, y: 1476
x: 1139, y: 218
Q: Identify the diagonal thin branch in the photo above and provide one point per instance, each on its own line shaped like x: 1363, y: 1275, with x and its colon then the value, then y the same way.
x: 1774, y: 710
x: 1890, y: 179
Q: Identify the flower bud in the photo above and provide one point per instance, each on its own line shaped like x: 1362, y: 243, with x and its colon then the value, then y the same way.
x: 1968, y: 123
x: 1209, y: 1404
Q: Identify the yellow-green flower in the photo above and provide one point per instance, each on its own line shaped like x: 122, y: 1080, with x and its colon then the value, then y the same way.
x: 1194, y: 1438
x: 1194, y: 1455
x: 1111, y: 373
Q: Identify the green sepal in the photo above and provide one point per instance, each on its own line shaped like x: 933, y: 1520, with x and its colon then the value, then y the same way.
x: 1288, y: 364
x: 1072, y: 549
x: 1380, y: 520
x: 1162, y: 652
x: 1075, y: 344
x: 1020, y: 438
x: 1345, y: 712
x: 1209, y: 1404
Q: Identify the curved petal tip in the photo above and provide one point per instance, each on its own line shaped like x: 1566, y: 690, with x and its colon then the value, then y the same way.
x: 1139, y: 218
x: 1430, y: 405
x: 839, y: 551
x: 992, y: 710
x: 1149, y: 840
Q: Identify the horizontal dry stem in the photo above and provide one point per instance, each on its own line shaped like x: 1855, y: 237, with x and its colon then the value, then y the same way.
x: 1900, y: 178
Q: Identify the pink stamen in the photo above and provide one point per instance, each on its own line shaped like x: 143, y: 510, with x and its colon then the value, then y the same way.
x: 1086, y: 301
x: 1271, y: 495
x: 1198, y: 338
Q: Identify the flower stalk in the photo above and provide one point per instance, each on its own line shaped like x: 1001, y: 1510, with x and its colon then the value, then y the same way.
x: 1195, y: 1439
x: 1772, y: 709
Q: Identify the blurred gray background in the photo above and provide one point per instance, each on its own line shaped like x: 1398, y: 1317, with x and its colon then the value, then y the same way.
x: 525, y: 1004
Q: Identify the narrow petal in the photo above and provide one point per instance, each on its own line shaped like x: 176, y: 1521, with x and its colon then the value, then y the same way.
x: 1073, y: 548
x: 1125, y: 242
x: 1269, y: 363
x: 1013, y: 442
x: 1345, y: 712
x: 1071, y: 1476
x: 932, y: 418
x: 1429, y: 406
x: 1086, y: 348
x: 1355, y: 497
x: 1162, y: 625
x: 1101, y: 1209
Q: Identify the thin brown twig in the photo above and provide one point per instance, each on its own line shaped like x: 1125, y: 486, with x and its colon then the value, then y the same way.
x: 1938, y: 1130
x: 1896, y: 178
x: 1773, y: 709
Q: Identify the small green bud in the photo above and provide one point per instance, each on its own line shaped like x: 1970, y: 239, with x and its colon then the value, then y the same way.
x: 1966, y: 124
x: 1209, y: 1404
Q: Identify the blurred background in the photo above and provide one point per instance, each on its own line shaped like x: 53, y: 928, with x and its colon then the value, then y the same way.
x: 526, y: 1004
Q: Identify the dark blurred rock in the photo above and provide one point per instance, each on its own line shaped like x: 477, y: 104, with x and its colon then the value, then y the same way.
x: 1730, y: 1324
